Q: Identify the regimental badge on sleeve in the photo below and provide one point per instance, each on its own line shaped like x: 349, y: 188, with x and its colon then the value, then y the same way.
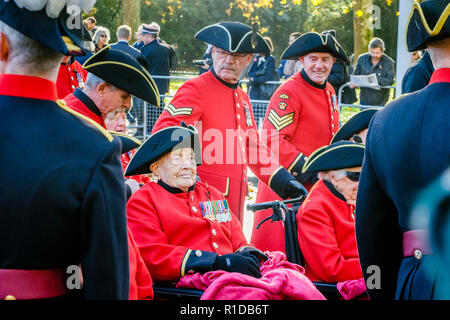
x: 280, y: 122
x: 217, y: 210
x: 174, y: 111
x: 284, y: 96
x: 282, y: 105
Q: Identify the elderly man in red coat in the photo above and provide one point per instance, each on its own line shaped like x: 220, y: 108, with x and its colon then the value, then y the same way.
x: 222, y: 114
x: 302, y: 116
x: 113, y: 77
x: 326, y: 219
x: 182, y: 225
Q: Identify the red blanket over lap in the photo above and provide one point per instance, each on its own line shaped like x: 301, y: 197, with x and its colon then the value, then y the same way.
x: 281, y: 280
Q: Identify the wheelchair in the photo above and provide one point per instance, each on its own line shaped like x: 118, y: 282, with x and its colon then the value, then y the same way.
x: 281, y: 212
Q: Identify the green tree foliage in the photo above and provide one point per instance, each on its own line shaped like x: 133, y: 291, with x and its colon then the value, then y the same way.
x: 180, y: 20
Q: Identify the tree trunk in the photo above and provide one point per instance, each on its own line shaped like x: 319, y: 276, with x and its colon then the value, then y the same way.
x: 363, y: 27
x: 131, y: 14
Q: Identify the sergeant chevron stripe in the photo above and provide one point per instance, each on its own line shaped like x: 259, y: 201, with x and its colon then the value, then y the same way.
x: 178, y: 111
x: 280, y: 122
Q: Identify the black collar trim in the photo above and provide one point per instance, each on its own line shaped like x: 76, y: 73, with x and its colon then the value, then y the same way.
x: 229, y: 85
x: 333, y: 190
x: 312, y: 83
x: 173, y: 189
x: 83, y: 97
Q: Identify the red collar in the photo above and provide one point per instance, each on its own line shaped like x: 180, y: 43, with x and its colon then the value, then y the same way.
x: 440, y: 75
x: 27, y: 87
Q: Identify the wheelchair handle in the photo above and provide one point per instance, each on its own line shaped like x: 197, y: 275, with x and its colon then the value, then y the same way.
x: 267, y: 205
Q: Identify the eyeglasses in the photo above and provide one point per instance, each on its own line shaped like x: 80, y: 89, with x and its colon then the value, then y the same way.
x: 354, y: 176
x: 116, y: 114
x: 357, y: 138
x: 102, y: 36
x: 234, y: 55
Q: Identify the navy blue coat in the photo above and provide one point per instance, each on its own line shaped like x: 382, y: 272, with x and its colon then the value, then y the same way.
x: 62, y: 193
x: 261, y: 70
x: 125, y: 47
x: 407, y: 147
x: 158, y: 58
x: 418, y: 76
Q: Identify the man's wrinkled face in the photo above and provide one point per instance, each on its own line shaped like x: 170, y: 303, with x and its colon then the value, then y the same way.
x: 116, y: 120
x: 229, y: 66
x: 113, y: 98
x: 177, y: 168
x: 317, y: 66
x: 346, y: 184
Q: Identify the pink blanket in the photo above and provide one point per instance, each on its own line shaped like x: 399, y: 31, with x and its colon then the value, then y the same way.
x: 280, y: 280
x: 352, y: 289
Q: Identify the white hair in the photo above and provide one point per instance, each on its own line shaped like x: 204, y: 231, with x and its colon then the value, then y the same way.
x: 325, y: 175
x: 92, y: 81
x: 29, y: 55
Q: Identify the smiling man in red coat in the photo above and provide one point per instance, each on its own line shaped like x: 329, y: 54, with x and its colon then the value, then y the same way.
x: 302, y: 116
x: 222, y: 114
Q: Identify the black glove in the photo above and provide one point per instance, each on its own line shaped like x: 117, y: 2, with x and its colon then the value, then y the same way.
x: 295, y: 189
x: 254, y: 252
x: 243, y: 263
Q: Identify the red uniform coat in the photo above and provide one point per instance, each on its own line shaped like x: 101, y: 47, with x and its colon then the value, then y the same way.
x: 230, y: 140
x: 70, y: 77
x: 82, y: 104
x: 301, y: 118
x: 168, y: 226
x: 141, y: 284
x: 326, y: 233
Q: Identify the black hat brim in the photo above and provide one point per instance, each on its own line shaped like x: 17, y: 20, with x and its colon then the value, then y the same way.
x: 128, y: 143
x: 125, y: 72
x: 233, y: 37
x: 339, y: 155
x: 428, y: 21
x: 161, y: 143
x: 355, y: 124
x: 50, y: 32
x: 313, y: 42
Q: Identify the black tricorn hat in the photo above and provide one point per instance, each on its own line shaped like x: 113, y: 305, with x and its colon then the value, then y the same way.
x: 428, y: 21
x: 314, y: 42
x: 161, y: 143
x: 355, y: 124
x: 48, y: 23
x: 125, y: 72
x: 339, y: 155
x: 234, y: 37
x: 128, y: 142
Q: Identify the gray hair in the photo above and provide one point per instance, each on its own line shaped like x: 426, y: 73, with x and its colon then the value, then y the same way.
x: 92, y: 81
x: 325, y: 175
x: 28, y: 54
x: 99, y: 32
x: 376, y: 43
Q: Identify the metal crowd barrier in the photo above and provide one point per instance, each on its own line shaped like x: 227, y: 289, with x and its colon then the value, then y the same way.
x: 143, y: 116
x: 360, y: 106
